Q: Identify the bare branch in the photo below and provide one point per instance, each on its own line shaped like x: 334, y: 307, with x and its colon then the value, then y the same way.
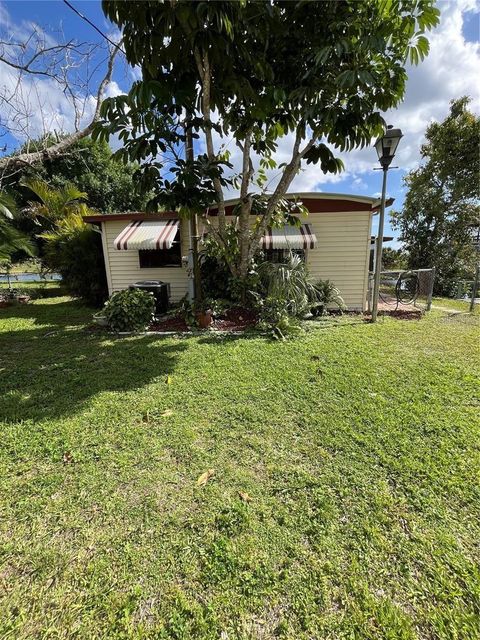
x: 49, y: 69
x: 59, y: 148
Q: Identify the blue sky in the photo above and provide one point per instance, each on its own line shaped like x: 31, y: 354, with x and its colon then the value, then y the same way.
x: 449, y: 72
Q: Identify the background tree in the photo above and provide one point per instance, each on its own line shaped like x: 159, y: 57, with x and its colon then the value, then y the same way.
x: 72, y: 66
x: 442, y: 203
x: 89, y: 170
x: 90, y: 165
x: 320, y: 72
x: 74, y: 250
x: 51, y: 206
x: 394, y: 258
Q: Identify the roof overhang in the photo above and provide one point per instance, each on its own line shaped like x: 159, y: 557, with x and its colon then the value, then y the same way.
x: 130, y: 215
x: 378, y: 203
x: 321, y: 195
x: 385, y: 239
x: 343, y: 202
x: 327, y: 202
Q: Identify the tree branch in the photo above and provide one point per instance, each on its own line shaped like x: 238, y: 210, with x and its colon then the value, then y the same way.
x: 62, y: 145
x: 281, y: 188
x: 206, y: 77
x: 27, y: 67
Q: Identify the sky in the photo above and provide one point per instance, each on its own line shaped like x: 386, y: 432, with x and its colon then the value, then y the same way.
x: 451, y: 70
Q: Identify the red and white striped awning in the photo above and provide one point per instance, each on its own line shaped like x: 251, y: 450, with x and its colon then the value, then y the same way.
x: 147, y: 234
x: 289, y: 237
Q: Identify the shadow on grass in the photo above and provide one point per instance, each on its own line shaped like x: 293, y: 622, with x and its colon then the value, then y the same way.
x: 50, y: 311
x: 53, y: 370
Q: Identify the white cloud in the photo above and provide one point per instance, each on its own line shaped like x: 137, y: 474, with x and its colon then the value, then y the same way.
x: 450, y: 71
x: 32, y: 105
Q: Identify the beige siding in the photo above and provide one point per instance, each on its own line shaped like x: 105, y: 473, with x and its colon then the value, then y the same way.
x: 342, y: 251
x: 124, y: 269
x: 341, y: 255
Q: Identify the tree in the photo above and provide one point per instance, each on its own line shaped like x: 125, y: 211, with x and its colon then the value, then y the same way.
x: 393, y: 258
x: 71, y: 247
x: 52, y: 206
x: 74, y: 250
x: 109, y: 183
x: 255, y: 72
x: 91, y: 166
x: 70, y: 66
x: 442, y: 204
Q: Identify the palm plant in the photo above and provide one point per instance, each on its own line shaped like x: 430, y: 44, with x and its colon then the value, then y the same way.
x: 11, y: 239
x: 54, y: 205
x: 289, y: 282
x: 326, y: 293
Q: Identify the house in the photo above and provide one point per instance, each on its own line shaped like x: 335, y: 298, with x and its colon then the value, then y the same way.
x: 334, y: 240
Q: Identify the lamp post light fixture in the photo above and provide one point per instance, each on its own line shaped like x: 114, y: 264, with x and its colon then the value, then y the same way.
x: 385, y: 147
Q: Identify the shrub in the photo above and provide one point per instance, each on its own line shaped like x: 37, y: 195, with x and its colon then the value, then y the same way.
x: 130, y: 310
x: 287, y: 282
x: 275, y: 317
x: 216, y: 277
x: 38, y: 290
x: 74, y: 250
x: 323, y: 293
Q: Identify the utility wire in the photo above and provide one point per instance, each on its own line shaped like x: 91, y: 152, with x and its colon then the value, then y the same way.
x: 92, y: 24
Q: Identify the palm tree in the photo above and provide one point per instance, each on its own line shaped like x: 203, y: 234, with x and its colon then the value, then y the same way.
x: 55, y: 205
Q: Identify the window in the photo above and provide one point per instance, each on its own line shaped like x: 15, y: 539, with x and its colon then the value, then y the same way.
x: 155, y: 258
x: 281, y: 255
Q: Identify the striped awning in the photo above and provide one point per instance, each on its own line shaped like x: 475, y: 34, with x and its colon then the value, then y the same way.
x: 290, y: 238
x: 147, y: 234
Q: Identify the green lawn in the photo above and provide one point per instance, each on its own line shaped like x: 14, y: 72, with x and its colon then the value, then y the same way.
x: 35, y: 289
x: 358, y: 445
x: 28, y: 266
x: 455, y: 305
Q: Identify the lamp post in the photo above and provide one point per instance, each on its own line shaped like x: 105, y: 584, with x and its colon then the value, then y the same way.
x: 386, y: 147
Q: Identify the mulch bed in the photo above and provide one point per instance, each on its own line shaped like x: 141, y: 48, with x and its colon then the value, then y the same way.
x: 405, y: 314
x: 172, y: 323
x: 235, y: 319
x: 400, y: 314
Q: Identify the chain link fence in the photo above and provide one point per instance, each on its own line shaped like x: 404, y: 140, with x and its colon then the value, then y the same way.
x: 404, y: 289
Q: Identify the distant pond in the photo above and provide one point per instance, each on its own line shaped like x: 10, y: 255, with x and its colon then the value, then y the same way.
x: 29, y: 277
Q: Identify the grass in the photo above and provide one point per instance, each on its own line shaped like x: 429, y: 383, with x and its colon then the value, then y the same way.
x: 356, y: 444
x: 455, y: 305
x: 27, y: 266
x: 36, y: 289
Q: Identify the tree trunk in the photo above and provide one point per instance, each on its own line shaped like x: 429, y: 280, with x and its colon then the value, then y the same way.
x: 280, y: 191
x: 193, y: 222
x: 245, y: 208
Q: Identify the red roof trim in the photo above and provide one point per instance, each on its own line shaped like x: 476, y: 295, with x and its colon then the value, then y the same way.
x: 137, y: 215
x: 314, y: 205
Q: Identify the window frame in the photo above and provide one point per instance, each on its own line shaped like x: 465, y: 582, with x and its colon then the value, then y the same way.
x: 175, y: 251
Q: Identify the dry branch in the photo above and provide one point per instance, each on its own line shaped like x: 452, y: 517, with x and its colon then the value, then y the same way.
x: 59, y: 71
